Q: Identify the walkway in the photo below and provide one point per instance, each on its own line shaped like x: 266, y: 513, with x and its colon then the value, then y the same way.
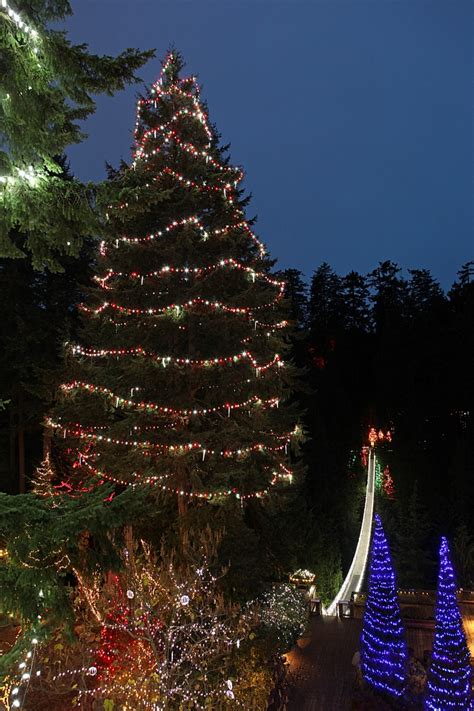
x: 321, y: 675
x: 355, y: 575
x: 321, y: 672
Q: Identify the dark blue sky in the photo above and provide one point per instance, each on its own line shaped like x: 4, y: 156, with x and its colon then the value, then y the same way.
x: 353, y: 119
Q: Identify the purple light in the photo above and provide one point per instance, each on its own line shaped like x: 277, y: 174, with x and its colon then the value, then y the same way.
x: 384, y: 654
x: 449, y: 678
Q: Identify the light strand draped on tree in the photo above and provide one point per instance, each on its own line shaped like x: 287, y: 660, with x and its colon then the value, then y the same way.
x: 179, y: 376
x: 450, y: 678
x: 167, y: 639
x: 383, y: 651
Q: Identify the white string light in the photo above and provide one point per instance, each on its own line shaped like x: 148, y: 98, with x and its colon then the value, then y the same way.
x: 30, y: 175
x: 15, y: 16
x: 26, y: 671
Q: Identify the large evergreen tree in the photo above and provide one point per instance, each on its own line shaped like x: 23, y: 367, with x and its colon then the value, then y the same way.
x: 180, y: 372
x: 325, y: 307
x: 296, y: 292
x: 389, y: 295
x: 355, y: 294
x: 46, y: 87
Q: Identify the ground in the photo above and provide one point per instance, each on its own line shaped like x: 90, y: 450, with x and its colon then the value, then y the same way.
x: 320, y: 670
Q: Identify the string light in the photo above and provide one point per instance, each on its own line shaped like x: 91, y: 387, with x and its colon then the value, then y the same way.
x: 28, y: 175
x: 176, y: 116
x: 378, y: 476
x: 27, y: 668
x: 193, y: 220
x: 161, y: 645
x: 283, y: 609
x: 171, y: 135
x: 166, y: 360
x: 265, y: 330
x: 273, y: 326
x: 388, y: 485
x: 77, y: 431
x: 175, y: 309
x: 156, y: 480
x: 450, y: 677
x: 22, y: 25
x: 190, y: 271
x: 177, y: 412
x: 384, y: 654
x: 150, y: 142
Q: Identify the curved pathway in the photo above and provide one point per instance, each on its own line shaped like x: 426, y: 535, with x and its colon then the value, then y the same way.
x: 355, y: 575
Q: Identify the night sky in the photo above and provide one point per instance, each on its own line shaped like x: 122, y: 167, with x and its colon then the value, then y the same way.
x: 352, y: 119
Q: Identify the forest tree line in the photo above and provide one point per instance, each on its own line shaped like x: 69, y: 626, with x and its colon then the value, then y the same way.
x: 379, y: 350
x: 394, y: 352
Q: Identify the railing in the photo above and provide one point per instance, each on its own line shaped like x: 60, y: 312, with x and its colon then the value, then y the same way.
x: 315, y: 608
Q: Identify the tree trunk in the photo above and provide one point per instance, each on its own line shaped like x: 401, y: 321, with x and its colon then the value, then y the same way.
x: 182, y: 477
x: 12, y: 445
x: 47, y: 439
x: 182, y: 507
x: 21, y: 447
x: 129, y: 545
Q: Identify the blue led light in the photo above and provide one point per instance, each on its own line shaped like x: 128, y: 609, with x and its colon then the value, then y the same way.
x: 449, y: 678
x: 384, y: 654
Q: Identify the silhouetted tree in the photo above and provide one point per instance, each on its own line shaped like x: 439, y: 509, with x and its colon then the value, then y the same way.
x: 355, y: 294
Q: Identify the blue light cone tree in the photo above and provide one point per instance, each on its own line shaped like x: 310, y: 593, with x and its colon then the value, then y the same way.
x: 449, y: 678
x: 383, y: 652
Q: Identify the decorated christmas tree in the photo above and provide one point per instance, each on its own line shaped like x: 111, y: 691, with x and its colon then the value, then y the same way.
x: 179, y: 377
x: 449, y: 680
x: 173, y: 416
x: 384, y: 653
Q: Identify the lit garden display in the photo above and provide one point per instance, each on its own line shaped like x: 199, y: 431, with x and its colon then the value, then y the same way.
x: 181, y: 371
x: 159, y: 370
x: 175, y: 397
x: 384, y: 655
x: 450, y: 677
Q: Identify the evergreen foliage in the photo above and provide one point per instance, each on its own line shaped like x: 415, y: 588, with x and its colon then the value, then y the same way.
x: 37, y: 316
x: 355, y: 294
x: 47, y: 541
x: 384, y: 654
x: 325, y: 305
x: 296, y: 291
x: 47, y: 86
x: 407, y: 366
x: 450, y: 677
x: 178, y: 379
x: 410, y: 534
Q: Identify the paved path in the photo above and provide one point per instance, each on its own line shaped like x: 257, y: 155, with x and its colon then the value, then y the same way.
x: 321, y: 675
x: 321, y: 672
